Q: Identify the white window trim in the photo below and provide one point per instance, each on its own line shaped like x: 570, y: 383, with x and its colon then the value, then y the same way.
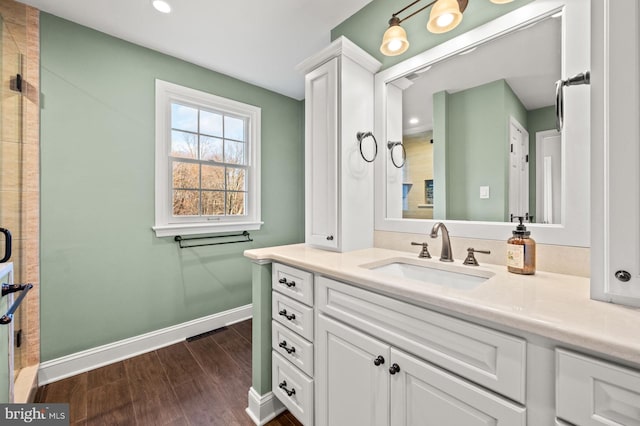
x: 165, y: 226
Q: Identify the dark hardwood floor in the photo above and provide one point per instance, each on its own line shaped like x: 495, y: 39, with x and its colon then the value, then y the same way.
x: 201, y: 382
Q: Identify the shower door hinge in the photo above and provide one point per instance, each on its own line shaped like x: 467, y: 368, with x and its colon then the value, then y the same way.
x: 16, y: 83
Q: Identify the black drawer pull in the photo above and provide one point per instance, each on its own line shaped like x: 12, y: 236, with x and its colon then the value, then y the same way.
x: 378, y: 361
x: 283, y: 345
x: 395, y: 368
x: 284, y: 314
x: 287, y: 283
x: 283, y: 386
x: 330, y: 238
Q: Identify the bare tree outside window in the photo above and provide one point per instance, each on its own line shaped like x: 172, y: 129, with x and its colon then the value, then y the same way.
x: 209, y: 162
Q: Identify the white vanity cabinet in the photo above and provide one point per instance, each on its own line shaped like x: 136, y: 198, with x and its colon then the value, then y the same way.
x: 367, y: 371
x: 615, y: 152
x: 593, y: 392
x: 338, y: 181
x: 292, y: 340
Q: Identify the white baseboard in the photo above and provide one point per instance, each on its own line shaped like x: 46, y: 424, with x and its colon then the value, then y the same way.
x: 263, y: 408
x: 79, y: 362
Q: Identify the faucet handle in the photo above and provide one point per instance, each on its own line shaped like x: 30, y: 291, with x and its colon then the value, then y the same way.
x: 471, y: 259
x: 424, y: 253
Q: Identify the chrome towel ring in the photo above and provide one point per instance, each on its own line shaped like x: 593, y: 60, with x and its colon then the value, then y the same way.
x: 392, y: 146
x: 582, y: 78
x: 361, y: 136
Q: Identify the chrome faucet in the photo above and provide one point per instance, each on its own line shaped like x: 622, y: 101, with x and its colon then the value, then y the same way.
x: 445, y: 255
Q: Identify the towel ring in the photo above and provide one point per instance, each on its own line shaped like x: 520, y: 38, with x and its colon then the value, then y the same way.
x: 392, y: 145
x: 362, y: 136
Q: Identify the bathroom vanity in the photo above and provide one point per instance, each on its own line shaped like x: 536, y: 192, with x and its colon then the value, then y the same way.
x: 380, y: 337
x: 355, y: 344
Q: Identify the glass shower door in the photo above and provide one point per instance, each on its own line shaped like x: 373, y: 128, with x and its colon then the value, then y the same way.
x: 11, y: 138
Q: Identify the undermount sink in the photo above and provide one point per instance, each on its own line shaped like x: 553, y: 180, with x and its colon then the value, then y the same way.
x: 452, y: 276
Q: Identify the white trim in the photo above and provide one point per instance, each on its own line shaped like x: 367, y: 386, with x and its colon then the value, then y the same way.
x: 263, y: 408
x: 574, y: 227
x: 199, y: 228
x: 79, y: 362
x: 261, y: 261
x: 165, y: 223
x: 341, y: 46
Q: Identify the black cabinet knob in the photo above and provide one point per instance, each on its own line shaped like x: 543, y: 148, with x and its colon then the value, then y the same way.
x: 330, y: 238
x: 378, y: 361
x: 623, y: 276
x: 283, y: 386
x: 395, y: 368
x: 284, y: 314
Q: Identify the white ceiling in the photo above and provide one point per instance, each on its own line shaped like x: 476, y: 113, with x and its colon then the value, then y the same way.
x: 529, y: 60
x: 259, y: 42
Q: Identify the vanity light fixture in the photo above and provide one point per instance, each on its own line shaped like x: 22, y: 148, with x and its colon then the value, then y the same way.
x: 445, y: 16
x: 161, y: 6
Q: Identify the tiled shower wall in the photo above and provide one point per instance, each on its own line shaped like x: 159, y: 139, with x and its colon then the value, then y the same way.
x: 20, y: 169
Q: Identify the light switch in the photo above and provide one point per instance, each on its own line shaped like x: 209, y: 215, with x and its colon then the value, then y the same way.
x: 484, y: 192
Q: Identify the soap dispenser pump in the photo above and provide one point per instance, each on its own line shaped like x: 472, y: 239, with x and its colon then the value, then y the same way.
x: 521, y: 251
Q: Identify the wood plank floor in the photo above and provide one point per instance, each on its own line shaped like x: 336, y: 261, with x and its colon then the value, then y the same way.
x: 201, y: 382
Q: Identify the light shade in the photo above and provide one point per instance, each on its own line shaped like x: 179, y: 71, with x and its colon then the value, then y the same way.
x: 501, y: 1
x: 394, y: 41
x: 445, y: 16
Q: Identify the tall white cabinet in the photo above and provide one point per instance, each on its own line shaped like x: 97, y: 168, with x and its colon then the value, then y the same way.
x: 615, y: 152
x: 339, y: 103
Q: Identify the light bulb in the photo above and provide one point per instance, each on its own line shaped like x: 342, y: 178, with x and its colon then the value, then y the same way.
x: 161, y: 6
x: 444, y: 20
x: 394, y: 45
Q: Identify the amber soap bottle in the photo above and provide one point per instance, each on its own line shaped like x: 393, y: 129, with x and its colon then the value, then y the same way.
x: 521, y: 251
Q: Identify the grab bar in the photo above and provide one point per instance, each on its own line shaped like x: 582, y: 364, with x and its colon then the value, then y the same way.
x: 6, y: 319
x: 245, y: 234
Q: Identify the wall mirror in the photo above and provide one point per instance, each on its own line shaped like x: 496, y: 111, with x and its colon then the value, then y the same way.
x: 469, y: 130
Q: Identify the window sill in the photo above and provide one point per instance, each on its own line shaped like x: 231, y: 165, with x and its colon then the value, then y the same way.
x: 204, y: 228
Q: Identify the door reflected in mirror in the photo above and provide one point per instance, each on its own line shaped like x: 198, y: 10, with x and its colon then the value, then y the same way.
x: 479, y: 133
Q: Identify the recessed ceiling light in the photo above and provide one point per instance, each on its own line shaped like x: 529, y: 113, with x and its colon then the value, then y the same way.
x: 161, y: 6
x: 413, y: 120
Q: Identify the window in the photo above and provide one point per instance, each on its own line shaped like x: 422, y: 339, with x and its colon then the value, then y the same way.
x: 207, y: 163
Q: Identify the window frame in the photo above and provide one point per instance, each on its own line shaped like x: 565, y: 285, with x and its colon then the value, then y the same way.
x: 166, y: 224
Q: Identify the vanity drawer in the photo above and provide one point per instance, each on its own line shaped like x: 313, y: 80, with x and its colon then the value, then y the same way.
x: 299, y: 398
x: 594, y: 392
x: 296, y: 350
x: 490, y: 358
x: 293, y: 282
x: 293, y: 315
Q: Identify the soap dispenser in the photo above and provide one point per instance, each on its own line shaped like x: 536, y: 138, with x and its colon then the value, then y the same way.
x: 521, y: 251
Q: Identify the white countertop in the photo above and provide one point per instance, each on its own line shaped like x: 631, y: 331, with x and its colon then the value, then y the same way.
x: 551, y: 305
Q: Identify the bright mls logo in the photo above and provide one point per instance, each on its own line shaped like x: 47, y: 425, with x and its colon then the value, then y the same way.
x: 34, y: 414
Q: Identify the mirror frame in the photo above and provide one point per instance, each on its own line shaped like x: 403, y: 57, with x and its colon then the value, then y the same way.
x: 574, y: 227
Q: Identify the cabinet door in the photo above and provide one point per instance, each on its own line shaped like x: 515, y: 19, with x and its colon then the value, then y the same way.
x: 424, y: 395
x: 350, y: 388
x: 321, y: 158
x: 615, y: 152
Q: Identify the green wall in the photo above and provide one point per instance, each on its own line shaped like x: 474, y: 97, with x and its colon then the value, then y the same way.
x: 105, y: 276
x: 470, y: 137
x: 366, y: 27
